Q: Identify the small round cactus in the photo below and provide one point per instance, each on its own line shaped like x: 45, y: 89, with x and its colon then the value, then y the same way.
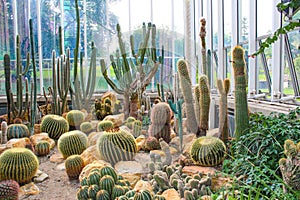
x: 117, y: 191
x: 93, y: 190
x: 9, y: 190
x: 83, y: 192
x: 137, y: 128
x: 75, y: 118
x: 102, y: 195
x: 93, y: 178
x: 17, y: 131
x: 107, y: 170
x: 42, y: 148
x: 54, y: 125
x: 86, y: 127
x: 107, y: 183
x: 72, y: 142
x: 105, y: 125
x: 142, y: 195
x: 290, y: 149
x: 74, y: 165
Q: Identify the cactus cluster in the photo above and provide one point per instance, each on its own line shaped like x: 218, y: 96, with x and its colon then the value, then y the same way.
x: 54, y: 125
x: 9, y: 190
x: 102, y: 183
x: 103, y: 108
x: 161, y: 121
x: 42, y: 148
x: 290, y: 166
x: 74, y: 165
x: 19, y: 164
x: 72, y: 142
x: 116, y: 145
x: 17, y: 131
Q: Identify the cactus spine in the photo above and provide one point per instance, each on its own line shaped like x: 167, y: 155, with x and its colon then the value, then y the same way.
x: 75, y: 118
x: 9, y: 190
x: 204, y: 103
x: 186, y: 88
x: 240, y: 82
x: 74, y: 165
x: 223, y: 87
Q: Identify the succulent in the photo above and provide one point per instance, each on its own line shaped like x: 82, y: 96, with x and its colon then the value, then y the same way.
x: 290, y: 148
x: 137, y: 128
x: 107, y: 170
x: 159, y: 197
x: 105, y: 125
x: 9, y: 190
x: 74, y: 165
x: 19, y: 164
x: 204, y: 103
x: 151, y: 143
x: 86, y: 127
x: 42, y: 148
x: 123, y: 197
x: 93, y: 190
x: 143, y: 195
x: 83, y: 192
x: 208, y: 151
x: 17, y: 131
x: 117, y: 191
x: 102, y: 195
x: 93, y: 178
x: 54, y: 125
x: 75, y: 118
x: 103, y: 108
x: 3, y: 136
x: 72, y: 142
x: 107, y: 183
x: 116, y: 145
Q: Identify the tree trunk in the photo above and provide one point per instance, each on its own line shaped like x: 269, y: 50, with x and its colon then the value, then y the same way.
x: 134, y: 106
x: 126, y: 105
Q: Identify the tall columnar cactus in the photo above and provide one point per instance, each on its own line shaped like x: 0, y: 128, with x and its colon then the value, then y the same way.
x: 9, y: 190
x: 202, y: 35
x: 240, y: 81
x: 223, y: 87
x: 197, y: 104
x: 19, y: 164
x: 116, y: 145
x: 186, y: 88
x: 3, y: 132
x: 17, y: 131
x: 133, y: 74
x: 54, y: 125
x: 74, y: 165
x: 204, y: 103
x: 161, y: 121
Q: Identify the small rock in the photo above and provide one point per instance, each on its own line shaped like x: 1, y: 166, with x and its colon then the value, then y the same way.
x: 57, y: 158
x: 18, y: 142
x: 143, y: 185
x: 187, y: 140
x: 28, y: 189
x: 93, y: 137
x: 142, y: 158
x: 132, y: 178
x: 42, y: 136
x: 133, y: 167
x: 60, y: 167
x: 116, y: 119
x: 90, y: 155
x: 41, y: 177
x: 171, y: 194
x: 213, y: 132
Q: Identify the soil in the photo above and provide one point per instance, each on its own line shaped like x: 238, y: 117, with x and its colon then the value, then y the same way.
x: 57, y: 186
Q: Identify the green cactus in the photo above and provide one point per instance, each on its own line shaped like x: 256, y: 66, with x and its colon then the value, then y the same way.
x: 93, y: 178
x: 103, y: 108
x: 202, y: 35
x: 17, y: 131
x: 159, y: 197
x: 186, y: 88
x: 290, y: 148
x: 54, y: 125
x: 133, y: 76
x: 86, y: 127
x: 123, y: 197
x: 75, y: 118
x: 151, y: 143
x: 105, y: 125
x: 208, y: 151
x: 93, y: 190
x: 204, y: 103
x: 83, y: 192
x: 42, y: 148
x: 102, y: 195
x: 130, y: 193
x: 19, y: 164
x: 9, y: 190
x: 107, y: 170
x: 137, y: 128
x: 129, y: 122
x: 188, y: 195
x: 223, y: 87
x: 143, y: 195
x: 161, y: 122
x: 116, y: 145
x: 117, y: 191
x: 240, y: 82
x: 72, y: 142
x: 107, y: 183
x: 197, y: 104
x: 74, y: 165
x: 3, y: 136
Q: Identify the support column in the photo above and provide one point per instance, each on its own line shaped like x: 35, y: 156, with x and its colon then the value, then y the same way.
x: 234, y: 36
x: 38, y: 13
x: 62, y: 24
x: 221, y: 64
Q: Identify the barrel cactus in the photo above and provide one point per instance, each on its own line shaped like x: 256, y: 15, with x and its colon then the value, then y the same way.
x: 86, y: 127
x: 116, y: 145
x: 129, y: 122
x: 105, y: 125
x: 107, y: 183
x: 137, y: 128
x: 102, y: 195
x: 208, y: 151
x: 83, y: 192
x: 42, y: 148
x: 75, y: 118
x: 107, y: 170
x: 19, y: 164
x: 72, y: 142
x: 9, y: 190
x: 17, y: 131
x: 117, y: 191
x: 74, y: 165
x: 93, y: 190
x: 142, y: 195
x: 54, y: 125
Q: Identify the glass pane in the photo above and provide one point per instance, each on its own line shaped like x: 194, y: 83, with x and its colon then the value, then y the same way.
x: 264, y: 17
x: 227, y: 22
x: 140, y: 12
x: 215, y: 23
x: 243, y: 13
x: 294, y: 40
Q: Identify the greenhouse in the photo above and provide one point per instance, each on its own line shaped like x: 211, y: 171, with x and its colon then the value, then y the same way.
x: 149, y: 99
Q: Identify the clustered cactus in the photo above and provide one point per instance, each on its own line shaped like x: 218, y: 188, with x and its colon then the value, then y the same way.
x: 103, y: 108
x: 9, y: 190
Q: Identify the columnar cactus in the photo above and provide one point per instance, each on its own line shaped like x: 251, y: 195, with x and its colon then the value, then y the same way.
x: 17, y: 131
x: 137, y: 128
x: 208, y: 151
x: 186, y: 88
x: 42, y: 148
x: 74, y: 165
x: 202, y: 35
x: 240, y: 82
x: 204, y: 103
x: 116, y: 145
x: 9, y: 190
x: 72, y: 142
x: 161, y: 121
x: 19, y: 164
x: 197, y: 104
x: 3, y: 132
x: 54, y: 125
x: 223, y: 87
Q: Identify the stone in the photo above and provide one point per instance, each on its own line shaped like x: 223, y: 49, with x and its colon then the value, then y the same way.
x: 61, y: 167
x: 90, y: 155
x: 37, y: 128
x: 206, y: 197
x: 40, y: 177
x: 140, y: 141
x: 142, y: 158
x: 93, y: 137
x: 187, y: 141
x: 42, y: 136
x: 143, y: 185
x: 3, y: 147
x: 57, y: 158
x: 132, y: 167
x: 28, y: 189
x: 219, y: 182
x: 116, y: 119
x: 171, y: 194
x: 132, y: 178
x: 190, y: 170
x: 213, y: 132
x: 19, y: 142
x: 95, y: 164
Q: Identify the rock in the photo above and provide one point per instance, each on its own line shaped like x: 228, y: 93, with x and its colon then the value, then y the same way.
x: 142, y: 158
x: 213, y: 132
x: 28, y: 189
x: 42, y: 136
x: 19, y: 142
x: 116, y: 119
x: 132, y: 167
x: 60, y: 167
x: 140, y: 141
x: 187, y: 141
x: 190, y: 170
x: 173, y: 151
x: 90, y: 155
x: 37, y: 128
x: 96, y: 164
x: 3, y: 147
x: 220, y: 182
x: 40, y: 177
x: 171, y: 194
x: 206, y: 197
x: 57, y: 158
x: 92, y: 137
x: 143, y: 185
x: 132, y: 178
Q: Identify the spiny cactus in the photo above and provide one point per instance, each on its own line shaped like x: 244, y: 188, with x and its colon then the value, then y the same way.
x: 208, y: 151
x: 83, y: 192
x: 107, y: 170
x: 9, y: 190
x: 107, y: 183
x: 186, y: 88
x: 204, y: 103
x: 197, y: 104
x: 105, y: 125
x: 72, y: 142
x: 117, y: 191
x: 143, y: 195
x: 129, y: 122
x: 240, y: 93
x: 223, y: 87
x: 103, y: 107
x: 74, y: 165
x: 137, y: 128
x: 202, y: 35
x: 3, y: 132
x: 86, y: 127
x: 54, y: 125
x: 116, y: 145
x: 75, y: 118
x: 17, y: 131
x: 19, y: 164
x: 42, y: 148
x: 93, y: 190
x: 102, y: 195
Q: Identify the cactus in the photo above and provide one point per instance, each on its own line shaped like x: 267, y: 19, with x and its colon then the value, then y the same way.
x: 151, y: 143
x: 102, y: 195
x: 137, y: 128
x: 159, y: 197
x: 93, y: 190
x: 19, y: 164
x: 116, y: 145
x: 104, y: 106
x: 82, y: 193
x: 197, y: 103
x: 186, y: 88
x: 107, y: 183
x: 204, y: 103
x: 240, y: 82
x: 223, y: 87
x: 117, y: 191
x: 208, y: 151
x: 75, y: 118
x: 202, y: 35
x: 74, y: 165
x: 107, y: 170
x: 161, y: 122
x: 42, y: 148
x: 142, y: 195
x: 123, y: 197
x: 3, y: 132
x: 72, y: 142
x: 86, y: 127
x: 105, y: 125
x: 17, y: 131
x: 129, y: 122
x: 9, y: 190
x: 93, y: 178
x: 133, y: 76
x: 54, y: 125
